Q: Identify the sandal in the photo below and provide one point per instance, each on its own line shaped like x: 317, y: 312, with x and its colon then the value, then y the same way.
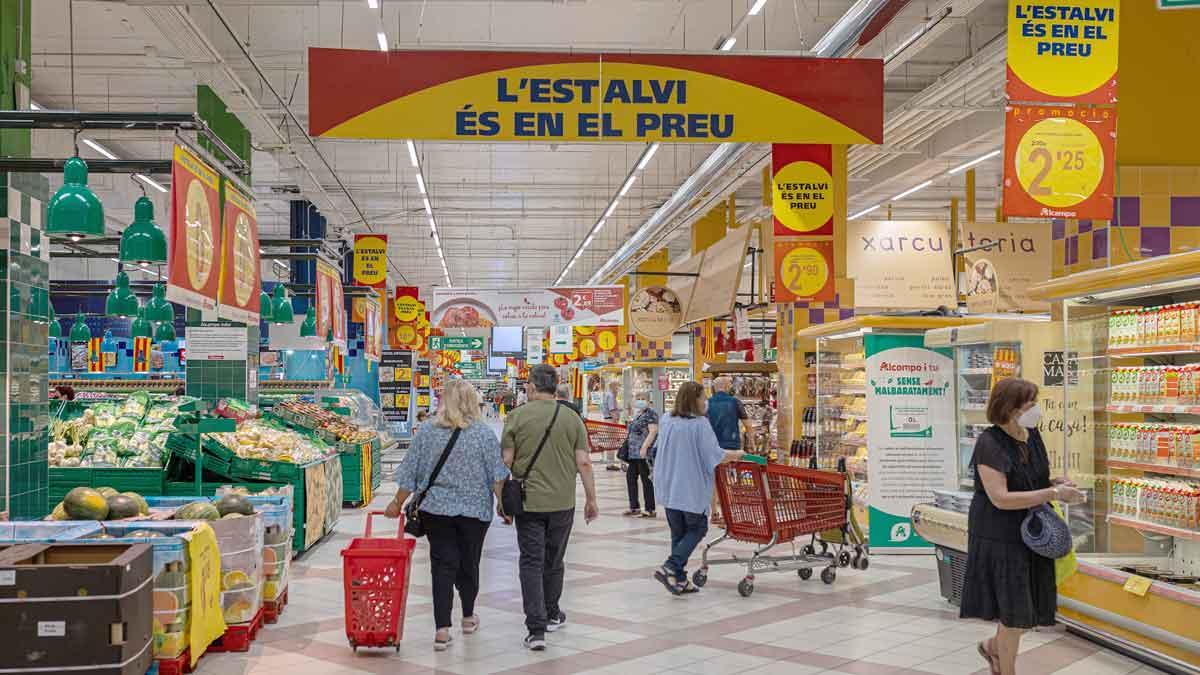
x: 442, y: 645
x: 989, y: 657
x: 668, y: 581
x: 470, y: 624
x: 632, y: 513
x: 649, y: 514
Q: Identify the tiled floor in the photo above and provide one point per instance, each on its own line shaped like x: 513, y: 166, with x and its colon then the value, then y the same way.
x: 888, y: 619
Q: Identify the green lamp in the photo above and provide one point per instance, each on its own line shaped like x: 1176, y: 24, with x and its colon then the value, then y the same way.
x: 80, y: 331
x: 264, y: 306
x: 140, y: 326
x: 121, y: 300
x: 55, y: 329
x: 75, y: 209
x: 143, y: 241
x: 281, y: 309
x: 309, y: 327
x: 157, y: 307
x: 165, y: 332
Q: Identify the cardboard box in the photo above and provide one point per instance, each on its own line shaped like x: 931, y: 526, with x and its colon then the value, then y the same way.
x: 83, y: 607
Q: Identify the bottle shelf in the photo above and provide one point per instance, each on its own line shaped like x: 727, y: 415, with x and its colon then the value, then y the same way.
x: 1187, y: 472
x: 1153, y: 408
x: 1168, y: 530
x: 1153, y: 350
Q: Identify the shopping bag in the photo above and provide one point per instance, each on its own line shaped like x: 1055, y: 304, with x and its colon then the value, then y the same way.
x: 1067, y: 565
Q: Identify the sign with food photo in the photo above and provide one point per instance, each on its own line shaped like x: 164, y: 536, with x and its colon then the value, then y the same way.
x: 539, y: 307
x: 194, y: 274
x: 655, y: 312
x: 239, y: 253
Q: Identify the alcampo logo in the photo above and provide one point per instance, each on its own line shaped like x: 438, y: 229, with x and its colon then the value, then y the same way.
x: 901, y: 532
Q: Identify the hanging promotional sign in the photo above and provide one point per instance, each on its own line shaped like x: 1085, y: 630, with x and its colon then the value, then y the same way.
x: 395, y: 384
x: 369, y: 268
x: 1063, y: 51
x: 337, y: 298
x: 194, y: 274
x: 325, y: 277
x: 901, y: 264
x: 998, y: 278
x: 372, y: 328
x: 802, y: 189
x: 1059, y: 161
x: 586, y: 305
x: 589, y: 97
x: 533, y: 346
x: 655, y: 312
x: 804, y: 271
x: 561, y: 340
x: 240, y: 281
x: 910, y: 434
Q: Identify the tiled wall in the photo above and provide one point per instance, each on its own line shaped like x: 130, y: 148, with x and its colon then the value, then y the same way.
x: 24, y: 303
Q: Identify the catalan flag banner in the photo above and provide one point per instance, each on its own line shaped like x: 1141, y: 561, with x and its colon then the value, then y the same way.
x: 95, y: 356
x: 141, y: 355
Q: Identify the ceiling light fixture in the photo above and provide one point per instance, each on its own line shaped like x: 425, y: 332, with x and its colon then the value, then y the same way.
x: 382, y: 38
x: 962, y: 167
x: 412, y: 154
x: 728, y: 43
x: 372, y: 4
x: 758, y: 5
x: 912, y: 190
x: 420, y: 183
x: 432, y: 224
x: 864, y: 212
x: 647, y: 156
x: 428, y: 208
x: 150, y: 181
x: 108, y: 154
x: 628, y: 184
x: 611, y: 209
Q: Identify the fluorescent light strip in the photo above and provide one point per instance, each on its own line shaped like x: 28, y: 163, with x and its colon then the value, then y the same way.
x: 372, y: 4
x: 611, y: 208
x: 588, y: 241
x: 728, y: 43
x: 98, y: 148
x: 432, y: 224
x: 628, y: 184
x: 647, y: 156
x: 864, y: 212
x: 428, y: 208
x: 973, y: 162
x: 758, y: 5
x: 420, y: 183
x: 912, y: 190
x: 150, y: 181
x: 412, y: 154
x: 382, y: 38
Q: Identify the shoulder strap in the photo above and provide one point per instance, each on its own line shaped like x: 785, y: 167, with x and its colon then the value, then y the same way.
x: 542, y: 444
x: 441, y: 461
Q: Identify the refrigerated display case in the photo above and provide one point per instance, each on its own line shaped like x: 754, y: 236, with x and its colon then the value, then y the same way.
x: 1132, y: 439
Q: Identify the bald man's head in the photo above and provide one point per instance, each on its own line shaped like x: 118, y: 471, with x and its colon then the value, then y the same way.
x: 723, y: 383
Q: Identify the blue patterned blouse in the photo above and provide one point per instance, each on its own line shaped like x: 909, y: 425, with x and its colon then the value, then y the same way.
x: 639, y: 428
x: 464, y: 486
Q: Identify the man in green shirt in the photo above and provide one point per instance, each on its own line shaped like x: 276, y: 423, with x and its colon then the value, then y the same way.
x: 545, y: 527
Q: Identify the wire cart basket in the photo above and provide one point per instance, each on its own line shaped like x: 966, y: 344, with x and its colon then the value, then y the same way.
x: 774, y: 504
x: 605, y: 436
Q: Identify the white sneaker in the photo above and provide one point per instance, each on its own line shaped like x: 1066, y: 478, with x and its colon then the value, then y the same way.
x: 557, y: 622
x: 535, y: 643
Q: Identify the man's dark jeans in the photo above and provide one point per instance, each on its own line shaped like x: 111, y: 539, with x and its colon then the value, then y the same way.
x: 542, y: 539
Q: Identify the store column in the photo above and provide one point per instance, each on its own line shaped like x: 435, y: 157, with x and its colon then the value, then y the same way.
x: 651, y: 272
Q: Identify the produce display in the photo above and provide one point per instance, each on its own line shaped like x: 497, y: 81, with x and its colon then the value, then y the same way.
x: 85, y: 503
x: 131, y: 432
x: 262, y: 439
x: 313, y: 416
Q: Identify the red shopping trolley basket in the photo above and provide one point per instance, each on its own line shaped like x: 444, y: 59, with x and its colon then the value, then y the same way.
x: 604, y: 436
x: 777, y: 503
x: 375, y: 575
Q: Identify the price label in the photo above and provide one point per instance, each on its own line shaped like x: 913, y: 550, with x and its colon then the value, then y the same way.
x: 1060, y: 162
x: 607, y: 340
x: 804, y: 270
x: 587, y: 347
x: 1139, y: 586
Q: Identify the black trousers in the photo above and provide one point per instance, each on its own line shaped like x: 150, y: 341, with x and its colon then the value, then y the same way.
x: 542, y: 539
x: 639, y: 468
x: 455, y: 546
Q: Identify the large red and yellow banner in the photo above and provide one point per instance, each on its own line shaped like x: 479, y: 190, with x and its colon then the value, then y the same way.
x: 372, y: 328
x: 408, y: 322
x: 593, y: 97
x: 194, y: 273
x: 802, y: 189
x: 331, y: 304
x: 1059, y: 161
x: 1063, y: 51
x: 240, y: 282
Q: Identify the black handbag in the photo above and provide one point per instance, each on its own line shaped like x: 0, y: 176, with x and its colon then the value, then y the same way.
x: 512, y: 494
x: 623, y: 451
x: 412, y: 511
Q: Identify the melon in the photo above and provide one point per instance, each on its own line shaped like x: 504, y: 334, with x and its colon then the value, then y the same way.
x: 107, y: 491
x: 202, y: 510
x: 143, y: 507
x: 165, y: 602
x: 59, y: 513
x: 228, y: 516
x: 144, y: 534
x: 234, y: 503
x: 121, y: 507
x: 84, y: 503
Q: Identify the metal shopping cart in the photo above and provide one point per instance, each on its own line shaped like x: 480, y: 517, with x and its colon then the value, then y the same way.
x: 605, y: 436
x: 774, y: 504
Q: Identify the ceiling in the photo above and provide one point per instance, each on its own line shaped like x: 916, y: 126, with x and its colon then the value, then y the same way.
x: 510, y: 214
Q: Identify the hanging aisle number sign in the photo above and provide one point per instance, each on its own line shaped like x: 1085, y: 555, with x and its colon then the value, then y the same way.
x: 1063, y: 51
x: 1058, y: 161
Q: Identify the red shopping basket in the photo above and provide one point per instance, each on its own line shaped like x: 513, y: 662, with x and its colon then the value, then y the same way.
x: 375, y: 575
x: 777, y: 502
x: 604, y: 436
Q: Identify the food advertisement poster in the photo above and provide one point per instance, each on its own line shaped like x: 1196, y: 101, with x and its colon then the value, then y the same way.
x: 240, y: 283
x: 194, y: 275
x: 372, y: 328
x: 1059, y: 161
x: 998, y: 278
x: 910, y: 434
x: 337, y: 300
x: 593, y: 97
x: 586, y: 305
x: 899, y: 264
x: 395, y: 384
x: 330, y: 309
x: 1063, y: 51
x: 802, y: 189
x: 804, y: 271
x: 655, y: 312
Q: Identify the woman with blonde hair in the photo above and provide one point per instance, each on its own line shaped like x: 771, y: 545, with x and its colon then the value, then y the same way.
x: 456, y: 502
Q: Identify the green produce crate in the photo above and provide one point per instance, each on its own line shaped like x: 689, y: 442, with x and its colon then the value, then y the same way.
x: 352, y: 489
x: 188, y: 488
x: 147, y: 482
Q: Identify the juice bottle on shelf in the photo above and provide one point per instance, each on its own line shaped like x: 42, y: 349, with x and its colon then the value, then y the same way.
x: 1113, y: 322
x: 1168, y: 325
x: 1187, y: 323
x: 1152, y: 325
x: 1170, y: 384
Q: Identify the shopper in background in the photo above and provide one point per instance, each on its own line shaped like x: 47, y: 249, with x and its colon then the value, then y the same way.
x: 563, y: 393
x: 421, y: 417
x: 642, y: 432
x: 1005, y: 581
x: 612, y: 413
x: 459, y: 505
x: 522, y: 398
x: 684, y: 478
x: 729, y: 420
x: 543, y: 530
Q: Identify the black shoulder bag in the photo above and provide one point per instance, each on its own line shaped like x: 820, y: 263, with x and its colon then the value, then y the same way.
x: 512, y: 495
x: 412, y: 512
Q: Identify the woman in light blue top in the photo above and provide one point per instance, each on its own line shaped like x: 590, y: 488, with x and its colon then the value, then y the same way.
x: 459, y: 506
x: 684, y: 477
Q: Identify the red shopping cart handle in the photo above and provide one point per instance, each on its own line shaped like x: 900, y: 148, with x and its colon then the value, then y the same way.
x: 399, y: 528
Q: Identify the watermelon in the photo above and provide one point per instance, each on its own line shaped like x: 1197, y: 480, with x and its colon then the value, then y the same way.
x: 107, y: 491
x: 234, y: 503
x: 197, y: 511
x: 121, y: 507
x: 84, y: 503
x: 143, y: 507
x: 144, y: 534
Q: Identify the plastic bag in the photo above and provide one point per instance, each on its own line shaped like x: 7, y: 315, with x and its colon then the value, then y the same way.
x: 1067, y: 565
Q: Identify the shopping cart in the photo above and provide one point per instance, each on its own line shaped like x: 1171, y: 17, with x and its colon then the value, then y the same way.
x: 375, y: 573
x: 774, y: 504
x: 847, y: 539
x: 605, y: 436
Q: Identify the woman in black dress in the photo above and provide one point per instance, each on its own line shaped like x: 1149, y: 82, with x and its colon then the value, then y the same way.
x: 1005, y: 581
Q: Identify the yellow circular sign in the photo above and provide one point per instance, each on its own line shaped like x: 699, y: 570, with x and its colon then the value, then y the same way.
x: 198, y: 219
x: 1064, y: 49
x: 370, y: 261
x: 407, y: 308
x: 607, y: 340
x: 587, y: 347
x: 804, y: 271
x: 802, y: 194
x: 1059, y: 162
x: 405, y: 335
x: 585, y: 330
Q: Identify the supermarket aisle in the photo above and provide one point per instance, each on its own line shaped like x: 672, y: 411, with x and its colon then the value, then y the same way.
x: 888, y: 619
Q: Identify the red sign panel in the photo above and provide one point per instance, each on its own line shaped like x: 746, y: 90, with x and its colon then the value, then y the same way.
x: 1059, y: 161
x: 240, y: 276
x: 194, y: 273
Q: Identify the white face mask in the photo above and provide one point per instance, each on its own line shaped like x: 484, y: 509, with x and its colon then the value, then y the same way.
x: 640, y: 403
x: 1031, y: 417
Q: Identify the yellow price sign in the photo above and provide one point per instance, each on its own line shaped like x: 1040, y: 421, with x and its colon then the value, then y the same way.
x: 1059, y: 161
x: 402, y: 400
x: 1137, y: 585
x: 607, y: 340
x: 804, y: 270
x: 802, y: 197
x: 587, y: 347
x: 1063, y: 50
x: 422, y: 400
x: 404, y: 374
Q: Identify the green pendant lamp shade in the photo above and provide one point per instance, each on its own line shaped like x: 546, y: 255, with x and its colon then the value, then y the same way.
x: 141, y: 326
x: 158, y: 308
x: 74, y: 209
x: 165, y: 332
x: 121, y: 300
x: 55, y: 329
x: 80, y: 331
x: 143, y: 241
x: 264, y: 306
x: 281, y: 310
x: 309, y: 327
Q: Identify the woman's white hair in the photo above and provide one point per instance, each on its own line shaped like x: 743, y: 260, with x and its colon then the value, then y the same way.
x: 459, y: 405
